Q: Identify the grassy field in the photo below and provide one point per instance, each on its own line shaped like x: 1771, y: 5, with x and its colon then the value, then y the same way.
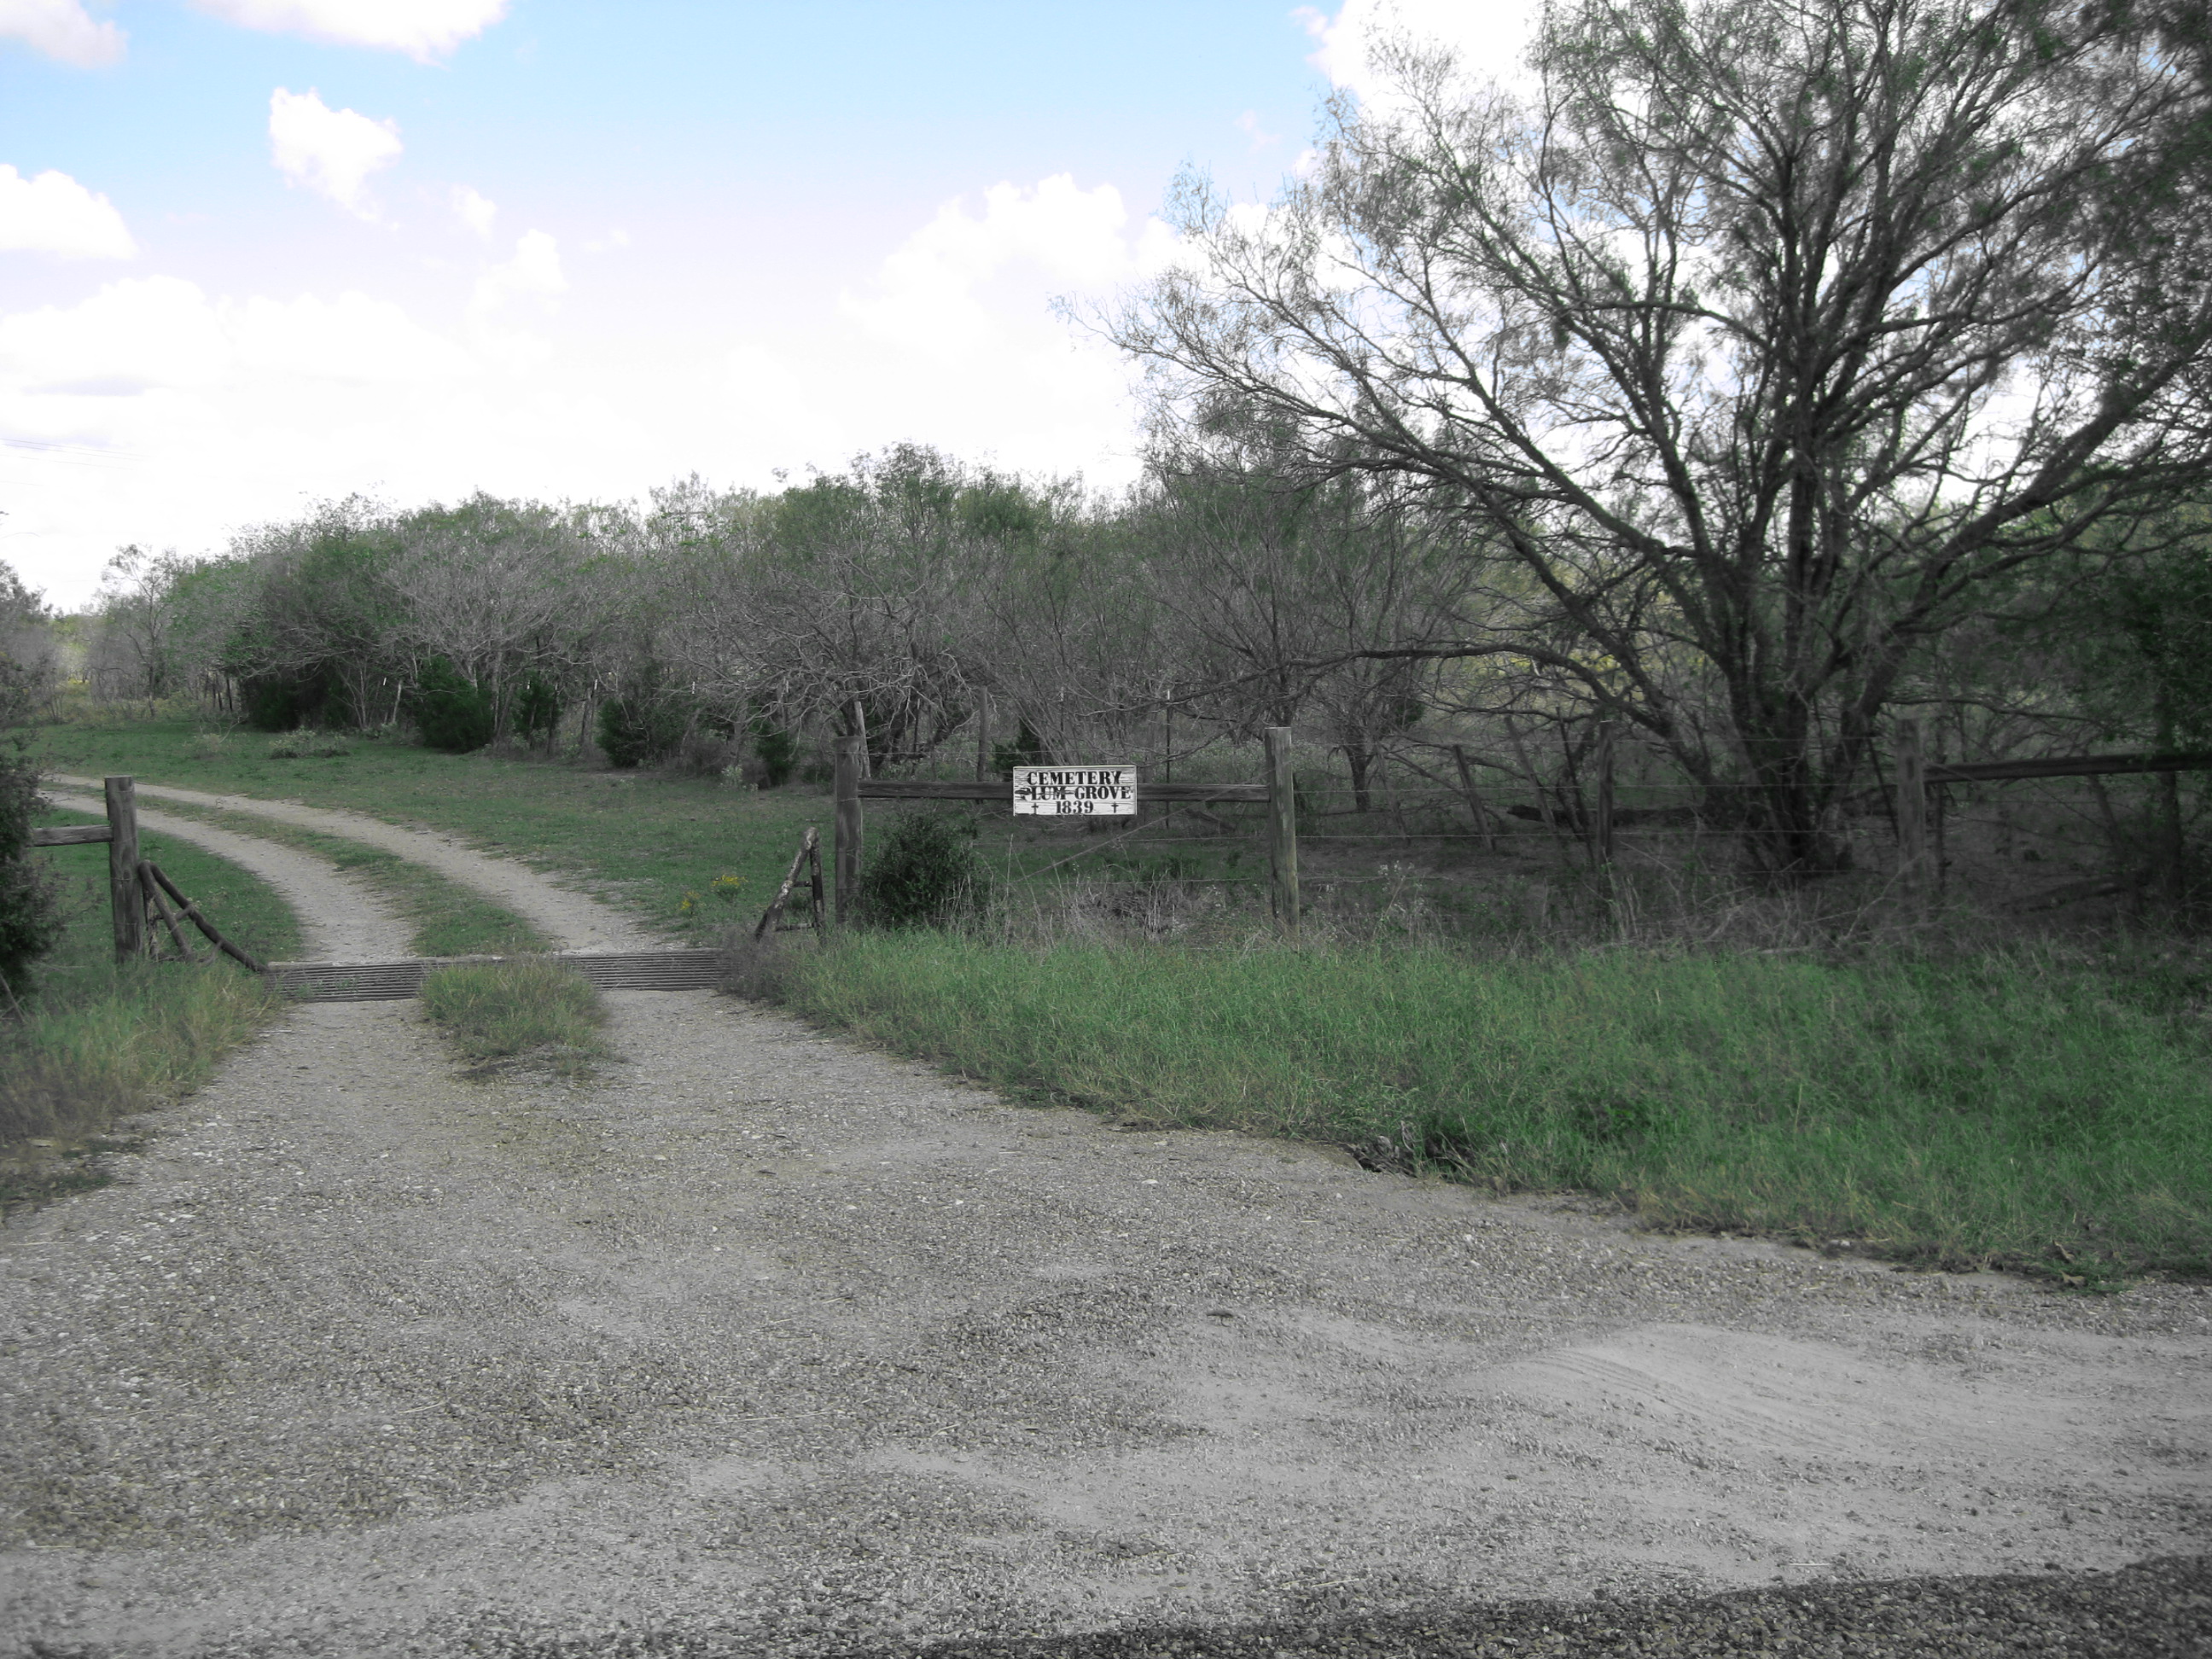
x: 2014, y: 1110
x: 2036, y: 1108
x: 99, y: 1041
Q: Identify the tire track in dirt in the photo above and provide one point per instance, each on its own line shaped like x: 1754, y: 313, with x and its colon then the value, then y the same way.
x: 573, y: 920
x: 790, y: 1347
x: 342, y: 919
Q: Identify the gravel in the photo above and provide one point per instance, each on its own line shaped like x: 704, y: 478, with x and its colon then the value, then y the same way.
x: 764, y: 1343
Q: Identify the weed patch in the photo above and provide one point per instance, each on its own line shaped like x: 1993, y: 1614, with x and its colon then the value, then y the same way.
x: 526, y: 1013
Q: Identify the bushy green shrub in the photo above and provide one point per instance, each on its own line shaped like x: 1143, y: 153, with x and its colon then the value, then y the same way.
x: 643, y: 722
x: 538, y: 709
x: 451, y: 711
x: 923, y: 873
x: 776, y: 748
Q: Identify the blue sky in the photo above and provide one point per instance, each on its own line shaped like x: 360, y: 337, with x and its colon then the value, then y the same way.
x: 257, y: 252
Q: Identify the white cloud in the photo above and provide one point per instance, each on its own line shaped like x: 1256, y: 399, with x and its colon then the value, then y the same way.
x: 955, y: 343
x: 535, y: 268
x: 929, y: 294
x: 162, y: 332
x: 1249, y: 124
x: 332, y: 152
x: 423, y: 29
x: 351, y: 338
x: 535, y: 271
x: 1488, y: 39
x: 160, y: 414
x: 63, y: 29
x: 132, y: 335
x: 475, y: 210
x: 54, y: 214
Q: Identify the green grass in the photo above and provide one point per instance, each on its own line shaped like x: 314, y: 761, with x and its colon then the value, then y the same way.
x: 2009, y: 1111
x: 527, y: 1012
x: 99, y: 1041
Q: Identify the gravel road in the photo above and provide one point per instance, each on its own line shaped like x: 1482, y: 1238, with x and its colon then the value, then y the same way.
x: 764, y: 1343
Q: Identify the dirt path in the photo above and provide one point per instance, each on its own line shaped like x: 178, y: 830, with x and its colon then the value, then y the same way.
x: 768, y: 1336
x: 572, y: 920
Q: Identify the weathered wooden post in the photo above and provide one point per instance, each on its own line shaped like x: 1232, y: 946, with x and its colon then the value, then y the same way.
x: 851, y: 760
x: 982, y: 736
x: 1282, y: 832
x: 1911, y: 814
x: 1602, y: 831
x: 126, y: 900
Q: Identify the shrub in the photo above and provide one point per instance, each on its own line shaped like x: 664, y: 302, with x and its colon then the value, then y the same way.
x: 307, y: 744
x: 644, y: 721
x: 925, y: 873
x: 537, y: 709
x: 451, y: 711
x: 776, y: 748
x: 703, y: 755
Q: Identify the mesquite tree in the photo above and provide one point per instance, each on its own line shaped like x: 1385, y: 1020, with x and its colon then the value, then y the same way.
x: 1763, y: 336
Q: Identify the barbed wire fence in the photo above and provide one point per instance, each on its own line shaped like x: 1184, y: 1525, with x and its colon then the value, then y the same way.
x: 1624, y: 841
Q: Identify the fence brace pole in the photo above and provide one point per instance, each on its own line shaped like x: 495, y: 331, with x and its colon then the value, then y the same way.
x: 852, y: 757
x: 126, y: 900
x: 1282, y: 832
x: 1911, y: 814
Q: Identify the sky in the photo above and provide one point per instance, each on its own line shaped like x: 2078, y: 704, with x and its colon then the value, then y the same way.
x: 255, y: 254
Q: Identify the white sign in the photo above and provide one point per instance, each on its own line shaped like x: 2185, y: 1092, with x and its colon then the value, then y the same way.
x: 1076, y: 792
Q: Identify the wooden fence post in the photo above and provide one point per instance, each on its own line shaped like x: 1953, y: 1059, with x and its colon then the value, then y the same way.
x: 126, y: 899
x: 852, y: 758
x: 982, y: 735
x: 1602, y: 831
x: 1912, y: 813
x: 1282, y: 831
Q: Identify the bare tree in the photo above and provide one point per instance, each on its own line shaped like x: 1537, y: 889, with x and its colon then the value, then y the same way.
x: 1763, y: 336
x: 1283, y: 598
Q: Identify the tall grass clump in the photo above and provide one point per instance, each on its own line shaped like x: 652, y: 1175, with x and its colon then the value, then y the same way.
x: 2007, y: 1110
x: 525, y: 1012
x: 70, y: 1068
x: 92, y: 1043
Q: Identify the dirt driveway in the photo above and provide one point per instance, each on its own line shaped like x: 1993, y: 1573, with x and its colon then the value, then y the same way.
x: 771, y: 1336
